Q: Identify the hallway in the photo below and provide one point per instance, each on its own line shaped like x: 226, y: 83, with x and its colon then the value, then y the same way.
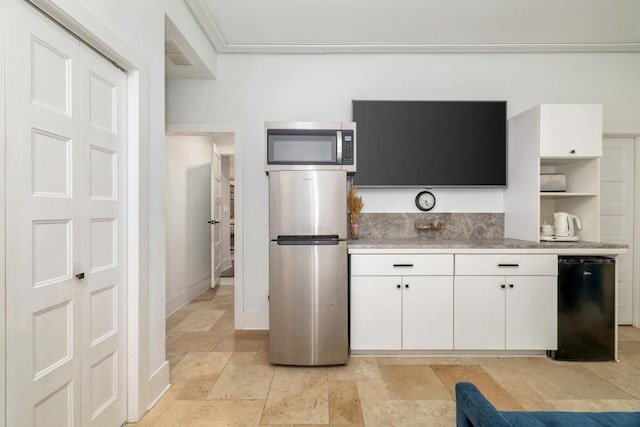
x: 222, y: 377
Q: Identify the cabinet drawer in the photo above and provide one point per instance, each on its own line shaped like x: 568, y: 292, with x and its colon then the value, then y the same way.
x: 506, y: 265
x: 402, y: 265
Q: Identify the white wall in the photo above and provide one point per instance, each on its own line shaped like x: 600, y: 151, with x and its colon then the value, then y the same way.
x: 188, y: 208
x: 252, y: 89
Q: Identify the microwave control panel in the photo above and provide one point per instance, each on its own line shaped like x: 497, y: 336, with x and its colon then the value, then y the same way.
x: 347, y: 147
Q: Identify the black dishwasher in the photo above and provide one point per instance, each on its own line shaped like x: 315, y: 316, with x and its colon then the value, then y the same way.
x: 586, y: 308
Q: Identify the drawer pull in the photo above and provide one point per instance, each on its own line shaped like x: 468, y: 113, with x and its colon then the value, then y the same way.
x: 403, y: 265
x: 398, y: 286
x: 510, y: 286
x: 406, y: 286
x: 503, y: 286
x: 508, y: 265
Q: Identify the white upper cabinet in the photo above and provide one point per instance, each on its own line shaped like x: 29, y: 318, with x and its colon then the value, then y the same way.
x: 570, y: 130
x: 561, y: 139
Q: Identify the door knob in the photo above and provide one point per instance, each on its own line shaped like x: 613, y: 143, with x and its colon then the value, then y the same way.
x: 80, y: 276
x: 214, y: 222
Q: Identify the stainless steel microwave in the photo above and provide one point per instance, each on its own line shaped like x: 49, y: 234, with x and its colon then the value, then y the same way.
x: 310, y: 146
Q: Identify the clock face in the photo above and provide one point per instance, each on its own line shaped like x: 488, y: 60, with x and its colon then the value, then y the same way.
x: 425, y: 200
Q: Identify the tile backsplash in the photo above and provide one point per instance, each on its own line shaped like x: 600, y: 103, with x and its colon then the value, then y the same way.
x: 457, y: 225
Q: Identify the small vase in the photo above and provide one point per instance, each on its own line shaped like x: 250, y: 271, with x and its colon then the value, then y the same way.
x: 354, y: 230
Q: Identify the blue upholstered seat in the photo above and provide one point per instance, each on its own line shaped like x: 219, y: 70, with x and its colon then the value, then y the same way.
x: 474, y: 410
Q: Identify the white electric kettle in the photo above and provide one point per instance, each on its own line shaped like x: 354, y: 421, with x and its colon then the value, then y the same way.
x: 563, y: 224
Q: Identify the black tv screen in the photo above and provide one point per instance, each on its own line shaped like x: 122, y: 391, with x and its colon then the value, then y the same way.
x: 431, y: 143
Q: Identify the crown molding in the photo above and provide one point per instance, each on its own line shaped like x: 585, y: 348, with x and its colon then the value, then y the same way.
x: 207, y: 22
x: 205, y: 18
x: 433, y: 48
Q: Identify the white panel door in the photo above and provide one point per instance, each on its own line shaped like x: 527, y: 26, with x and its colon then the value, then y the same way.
x: 427, y: 313
x: 103, y: 252
x: 376, y: 312
x: 56, y: 375
x: 531, y: 313
x: 479, y: 312
x: 216, y: 215
x: 617, y: 188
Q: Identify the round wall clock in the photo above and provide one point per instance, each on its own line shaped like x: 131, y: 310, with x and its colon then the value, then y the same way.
x: 425, y: 200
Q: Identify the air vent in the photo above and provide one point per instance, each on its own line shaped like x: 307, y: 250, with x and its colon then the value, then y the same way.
x: 175, y: 54
x: 171, y: 47
x: 178, y: 59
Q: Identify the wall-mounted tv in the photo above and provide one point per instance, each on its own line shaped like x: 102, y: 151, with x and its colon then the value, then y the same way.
x: 431, y: 143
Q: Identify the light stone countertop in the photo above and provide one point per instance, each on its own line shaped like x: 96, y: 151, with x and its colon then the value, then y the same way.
x: 427, y: 245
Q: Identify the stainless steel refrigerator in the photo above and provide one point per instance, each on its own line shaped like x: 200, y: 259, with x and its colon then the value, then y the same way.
x: 308, y: 283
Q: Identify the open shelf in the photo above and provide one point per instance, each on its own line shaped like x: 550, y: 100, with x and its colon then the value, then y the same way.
x: 559, y: 195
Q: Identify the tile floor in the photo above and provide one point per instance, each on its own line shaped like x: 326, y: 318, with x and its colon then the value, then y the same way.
x: 222, y: 377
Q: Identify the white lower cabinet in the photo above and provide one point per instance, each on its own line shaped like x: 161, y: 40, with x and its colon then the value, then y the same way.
x: 511, y: 312
x: 505, y: 313
x: 401, y: 312
x: 415, y: 302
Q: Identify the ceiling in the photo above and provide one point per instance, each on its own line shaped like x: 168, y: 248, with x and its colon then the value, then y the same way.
x: 323, y: 26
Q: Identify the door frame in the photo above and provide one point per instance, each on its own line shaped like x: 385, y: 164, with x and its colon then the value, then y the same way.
x: 89, y: 29
x: 635, y: 285
x: 201, y: 128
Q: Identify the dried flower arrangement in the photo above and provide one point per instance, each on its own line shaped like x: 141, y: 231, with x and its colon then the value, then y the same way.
x: 355, y: 206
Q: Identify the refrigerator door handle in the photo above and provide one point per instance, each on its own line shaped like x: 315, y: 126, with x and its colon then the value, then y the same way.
x: 307, y: 242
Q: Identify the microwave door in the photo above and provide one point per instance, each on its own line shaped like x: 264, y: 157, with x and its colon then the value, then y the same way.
x: 307, y: 203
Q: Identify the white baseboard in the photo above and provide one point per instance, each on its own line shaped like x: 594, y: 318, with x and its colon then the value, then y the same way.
x: 158, y: 384
x: 226, y: 263
x: 178, y: 301
x: 252, y: 320
x: 226, y: 281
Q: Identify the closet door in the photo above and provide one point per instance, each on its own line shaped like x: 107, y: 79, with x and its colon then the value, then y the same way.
x: 65, y: 334
x: 103, y: 241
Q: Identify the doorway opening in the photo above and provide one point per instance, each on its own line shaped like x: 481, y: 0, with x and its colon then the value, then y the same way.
x: 200, y: 214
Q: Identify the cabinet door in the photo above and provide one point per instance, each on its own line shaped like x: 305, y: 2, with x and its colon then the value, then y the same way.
x: 531, y: 313
x: 427, y: 313
x: 570, y: 130
x: 479, y: 312
x: 376, y: 318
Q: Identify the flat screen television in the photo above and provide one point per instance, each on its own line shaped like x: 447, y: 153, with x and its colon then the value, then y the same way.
x: 431, y: 143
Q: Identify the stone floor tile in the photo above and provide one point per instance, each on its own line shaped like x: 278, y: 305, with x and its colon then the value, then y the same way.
x: 238, y: 345
x: 436, y: 413
x: 188, y: 413
x: 372, y: 390
x: 412, y: 382
x: 243, y: 383
x: 200, y: 366
x: 449, y: 375
x: 575, y: 381
x: 344, y: 403
x: 195, y: 390
x: 199, y: 321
